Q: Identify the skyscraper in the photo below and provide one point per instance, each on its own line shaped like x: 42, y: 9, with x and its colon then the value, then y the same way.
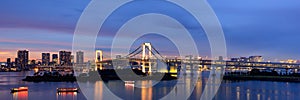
x: 55, y: 59
x: 8, y: 62
x: 79, y: 57
x: 22, y: 59
x: 65, y: 58
x: 45, y: 59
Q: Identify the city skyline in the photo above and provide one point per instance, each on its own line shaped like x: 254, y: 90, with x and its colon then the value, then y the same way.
x: 78, y: 57
x: 265, y: 28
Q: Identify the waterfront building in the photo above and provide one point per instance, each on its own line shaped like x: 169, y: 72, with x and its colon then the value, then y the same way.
x: 65, y: 58
x: 255, y: 58
x: 45, y: 59
x: 55, y: 59
x: 79, y: 57
x: 241, y: 59
x: 8, y: 62
x: 22, y: 60
x: 290, y: 61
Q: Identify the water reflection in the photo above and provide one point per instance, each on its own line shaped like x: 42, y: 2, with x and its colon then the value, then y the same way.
x: 229, y: 90
x: 129, y: 87
x: 98, y: 90
x: 258, y: 90
x: 146, y: 93
x: 66, y: 96
x: 23, y: 95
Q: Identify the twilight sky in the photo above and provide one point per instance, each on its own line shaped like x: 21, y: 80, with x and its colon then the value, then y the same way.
x: 253, y: 27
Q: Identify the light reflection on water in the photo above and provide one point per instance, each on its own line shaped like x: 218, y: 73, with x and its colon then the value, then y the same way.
x: 66, y: 96
x: 229, y: 90
x: 23, y: 95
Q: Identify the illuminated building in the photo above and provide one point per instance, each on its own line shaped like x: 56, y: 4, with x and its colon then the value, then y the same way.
x: 244, y: 59
x: 290, y: 61
x: 22, y: 61
x: 255, y: 59
x: 65, y: 58
x: 45, y: 59
x: 241, y: 59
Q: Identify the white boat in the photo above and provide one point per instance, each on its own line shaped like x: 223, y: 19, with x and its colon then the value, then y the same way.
x: 129, y: 83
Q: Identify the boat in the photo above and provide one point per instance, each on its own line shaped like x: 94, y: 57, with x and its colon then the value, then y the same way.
x: 19, y: 89
x: 67, y: 90
x: 129, y: 83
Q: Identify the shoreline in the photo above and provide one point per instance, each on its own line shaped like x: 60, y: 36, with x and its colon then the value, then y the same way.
x: 106, y: 75
x: 262, y: 78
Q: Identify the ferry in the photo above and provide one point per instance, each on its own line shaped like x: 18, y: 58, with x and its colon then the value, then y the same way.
x: 67, y: 90
x: 19, y: 89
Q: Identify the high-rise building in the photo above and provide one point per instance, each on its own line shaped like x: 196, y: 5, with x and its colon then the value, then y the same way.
x: 79, y: 57
x: 22, y: 59
x: 16, y: 63
x: 55, y: 59
x: 45, y: 59
x: 8, y: 62
x: 65, y: 58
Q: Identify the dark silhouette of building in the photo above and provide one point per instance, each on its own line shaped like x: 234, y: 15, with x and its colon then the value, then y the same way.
x: 22, y: 60
x: 79, y: 57
x: 16, y: 64
x: 55, y: 59
x: 33, y: 62
x: 65, y: 58
x: 8, y: 62
x: 45, y: 59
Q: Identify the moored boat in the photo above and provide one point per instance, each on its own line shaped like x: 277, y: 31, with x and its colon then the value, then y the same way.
x: 19, y: 89
x: 129, y: 83
x: 67, y: 90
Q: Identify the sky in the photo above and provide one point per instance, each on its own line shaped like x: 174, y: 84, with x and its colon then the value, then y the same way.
x: 254, y: 27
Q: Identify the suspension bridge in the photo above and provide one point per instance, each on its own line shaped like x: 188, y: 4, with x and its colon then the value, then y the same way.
x: 147, y: 58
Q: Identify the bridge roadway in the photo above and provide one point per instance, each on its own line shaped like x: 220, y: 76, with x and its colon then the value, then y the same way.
x: 221, y: 63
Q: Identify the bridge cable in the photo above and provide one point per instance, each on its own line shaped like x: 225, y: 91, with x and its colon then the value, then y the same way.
x: 133, y: 51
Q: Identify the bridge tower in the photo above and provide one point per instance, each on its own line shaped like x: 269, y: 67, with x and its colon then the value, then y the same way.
x: 98, y: 59
x: 145, y: 57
